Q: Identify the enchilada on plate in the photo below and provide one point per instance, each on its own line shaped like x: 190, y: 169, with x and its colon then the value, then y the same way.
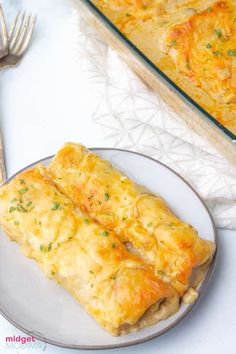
x: 141, y: 220
x: 114, y: 286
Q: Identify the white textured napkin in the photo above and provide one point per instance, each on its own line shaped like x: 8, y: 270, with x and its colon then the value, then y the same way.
x: 132, y: 116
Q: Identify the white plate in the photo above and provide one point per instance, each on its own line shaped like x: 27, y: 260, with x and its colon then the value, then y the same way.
x: 37, y: 305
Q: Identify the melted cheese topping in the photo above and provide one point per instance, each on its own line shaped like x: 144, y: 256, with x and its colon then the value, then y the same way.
x: 138, y: 217
x: 193, y: 42
x: 89, y: 261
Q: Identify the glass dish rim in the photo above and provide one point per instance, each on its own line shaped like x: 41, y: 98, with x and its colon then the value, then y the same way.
x: 220, y: 128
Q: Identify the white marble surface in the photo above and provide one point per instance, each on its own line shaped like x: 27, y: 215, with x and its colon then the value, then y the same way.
x: 43, y: 104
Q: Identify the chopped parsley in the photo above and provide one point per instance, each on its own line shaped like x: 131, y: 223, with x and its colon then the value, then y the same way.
x: 22, y: 181
x: 188, y: 64
x: 232, y: 52
x: 113, y: 278
x: 12, y: 209
x: 218, y: 32
x: 113, y: 245
x: 107, y: 196
x: 28, y: 203
x: 149, y: 224
x: 13, y: 200
x: 56, y: 206
x: 16, y: 222
x: 23, y: 190
x: 91, y: 271
x: 86, y: 221
x: 217, y: 53
x: 105, y: 233
x: 208, y: 46
x: 44, y: 248
x: 21, y: 209
x: 173, y: 43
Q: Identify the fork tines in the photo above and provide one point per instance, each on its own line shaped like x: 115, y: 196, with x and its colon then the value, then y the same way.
x: 20, y: 33
x: 3, y: 35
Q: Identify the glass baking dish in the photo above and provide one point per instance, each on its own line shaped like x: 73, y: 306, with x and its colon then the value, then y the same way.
x: 192, y: 113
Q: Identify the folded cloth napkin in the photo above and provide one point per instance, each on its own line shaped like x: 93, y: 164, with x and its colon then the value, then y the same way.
x: 132, y: 116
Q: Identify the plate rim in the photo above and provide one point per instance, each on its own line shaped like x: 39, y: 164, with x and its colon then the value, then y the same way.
x: 201, y: 289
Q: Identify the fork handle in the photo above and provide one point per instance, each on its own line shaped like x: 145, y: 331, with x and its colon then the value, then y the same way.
x: 2, y: 161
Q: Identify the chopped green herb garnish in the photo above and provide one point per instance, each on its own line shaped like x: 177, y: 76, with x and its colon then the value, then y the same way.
x: 188, y: 64
x: 31, y: 185
x: 208, y: 46
x: 12, y: 209
x: 113, y: 278
x: 21, y: 209
x: 23, y: 190
x: 52, y: 272
x: 106, y: 197
x: 22, y: 181
x: 16, y: 223
x: 99, y: 202
x: 105, y: 233
x: 123, y: 219
x: 92, y: 285
x: 40, y: 223
x: 28, y: 203
x: 173, y: 43
x: 113, y: 245
x: 56, y: 206
x: 46, y: 248
x: 209, y: 9
x: 91, y: 271
x: 149, y: 224
x: 86, y: 221
x: 232, y: 52
x: 13, y: 200
x: 109, y: 213
x: 218, y: 32
x: 128, y: 15
x: 217, y: 53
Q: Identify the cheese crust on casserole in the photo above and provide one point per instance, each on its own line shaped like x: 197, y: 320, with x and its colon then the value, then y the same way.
x: 115, y: 287
x: 193, y: 42
x: 141, y: 220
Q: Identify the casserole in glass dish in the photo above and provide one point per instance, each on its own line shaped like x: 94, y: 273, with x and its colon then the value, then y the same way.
x: 183, y: 52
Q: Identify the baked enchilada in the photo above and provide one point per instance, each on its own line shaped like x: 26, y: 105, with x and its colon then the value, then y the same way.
x: 81, y: 255
x: 192, y: 42
x: 141, y: 220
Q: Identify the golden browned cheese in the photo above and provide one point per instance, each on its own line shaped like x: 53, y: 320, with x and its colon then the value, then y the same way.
x: 193, y: 42
x: 142, y: 220
x: 114, y: 286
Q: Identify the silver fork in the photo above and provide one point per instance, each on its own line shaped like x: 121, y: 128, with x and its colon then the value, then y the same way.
x: 18, y: 42
x: 19, y: 39
x: 3, y: 35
